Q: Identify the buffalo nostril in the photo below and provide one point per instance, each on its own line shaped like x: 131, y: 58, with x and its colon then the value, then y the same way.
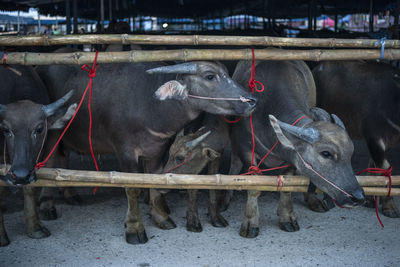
x: 252, y: 101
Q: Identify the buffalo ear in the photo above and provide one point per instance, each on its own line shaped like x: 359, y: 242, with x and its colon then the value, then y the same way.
x: 171, y: 89
x: 210, y: 153
x: 61, y: 117
x: 278, y: 131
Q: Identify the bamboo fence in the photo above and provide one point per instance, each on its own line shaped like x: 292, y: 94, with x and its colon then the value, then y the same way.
x: 50, y: 177
x: 27, y: 58
x: 46, y: 40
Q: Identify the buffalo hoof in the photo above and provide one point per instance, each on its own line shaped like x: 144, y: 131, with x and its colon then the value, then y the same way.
x: 291, y: 226
x: 167, y: 224
x: 4, y: 241
x: 318, y: 205
x: 392, y: 213
x: 41, y: 233
x: 136, y: 238
x: 249, y: 231
x: 74, y: 200
x: 369, y: 202
x: 194, y: 226
x: 48, y: 214
x: 219, y: 222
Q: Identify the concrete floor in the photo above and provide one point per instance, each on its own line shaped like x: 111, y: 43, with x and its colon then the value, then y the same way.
x: 93, y: 234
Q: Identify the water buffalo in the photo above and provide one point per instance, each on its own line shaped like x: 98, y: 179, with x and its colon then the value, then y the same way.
x: 135, y: 115
x: 318, y: 149
x: 190, y: 154
x: 366, y: 96
x: 24, y: 121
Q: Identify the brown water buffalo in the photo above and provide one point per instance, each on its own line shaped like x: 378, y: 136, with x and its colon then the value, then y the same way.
x: 318, y: 149
x: 190, y: 154
x: 135, y: 115
x: 366, y: 95
x: 25, y: 118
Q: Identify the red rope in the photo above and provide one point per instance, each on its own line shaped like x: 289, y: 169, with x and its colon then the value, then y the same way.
x: 183, y: 163
x: 92, y: 74
x: 229, y: 121
x: 383, y: 172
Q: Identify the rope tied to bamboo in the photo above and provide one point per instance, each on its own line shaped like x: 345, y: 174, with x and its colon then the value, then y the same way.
x: 383, y: 172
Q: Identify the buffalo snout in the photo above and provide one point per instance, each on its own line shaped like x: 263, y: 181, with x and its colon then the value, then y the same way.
x: 21, y: 176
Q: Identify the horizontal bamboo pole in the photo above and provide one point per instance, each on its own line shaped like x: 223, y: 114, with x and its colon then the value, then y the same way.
x: 27, y: 58
x: 63, y: 177
x: 46, y: 40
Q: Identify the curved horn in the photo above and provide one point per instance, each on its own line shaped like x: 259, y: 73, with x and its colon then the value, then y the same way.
x: 309, y: 135
x: 198, y: 140
x: 319, y: 114
x: 50, y: 109
x: 184, y: 68
x: 338, y: 121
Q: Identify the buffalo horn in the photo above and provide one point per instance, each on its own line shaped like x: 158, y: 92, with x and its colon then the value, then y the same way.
x: 338, y: 121
x: 198, y: 140
x: 320, y: 115
x: 50, y: 109
x: 184, y: 68
x: 309, y: 135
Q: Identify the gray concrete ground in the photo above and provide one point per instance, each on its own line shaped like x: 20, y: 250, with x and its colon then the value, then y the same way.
x: 93, y: 234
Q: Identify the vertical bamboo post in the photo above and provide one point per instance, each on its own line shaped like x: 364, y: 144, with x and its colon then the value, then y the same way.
x: 371, y: 15
x: 102, y: 14
x: 68, y: 15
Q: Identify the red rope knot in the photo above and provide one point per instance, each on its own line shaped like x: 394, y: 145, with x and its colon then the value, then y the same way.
x: 91, y: 70
x: 253, y: 82
x: 383, y: 172
x: 254, y: 170
x: 40, y: 165
x: 279, y: 183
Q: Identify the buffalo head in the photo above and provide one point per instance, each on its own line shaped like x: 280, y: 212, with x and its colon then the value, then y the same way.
x: 206, y: 86
x: 191, y: 149
x: 25, y: 126
x: 322, y: 151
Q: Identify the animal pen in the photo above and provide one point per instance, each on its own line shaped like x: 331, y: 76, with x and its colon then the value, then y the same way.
x: 321, y: 49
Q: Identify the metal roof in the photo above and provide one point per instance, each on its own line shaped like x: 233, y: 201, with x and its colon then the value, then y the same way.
x: 201, y: 8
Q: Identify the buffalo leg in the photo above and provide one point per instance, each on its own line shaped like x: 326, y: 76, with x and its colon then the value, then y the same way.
x: 214, y: 196
x: 134, y: 228
x: 158, y: 212
x: 287, y: 218
x: 377, y: 152
x: 158, y: 206
x: 134, y: 232
x: 250, y: 225
x: 4, y: 241
x: 193, y: 223
x: 34, y: 227
x: 213, y: 209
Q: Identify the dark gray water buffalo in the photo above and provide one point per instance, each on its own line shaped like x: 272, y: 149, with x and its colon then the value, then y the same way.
x: 190, y: 154
x: 318, y: 149
x: 24, y: 121
x: 135, y: 115
x: 366, y: 95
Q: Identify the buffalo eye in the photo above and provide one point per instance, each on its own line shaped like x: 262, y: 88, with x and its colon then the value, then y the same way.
x: 326, y: 154
x: 7, y: 132
x: 39, y: 130
x: 210, y: 77
x: 179, y: 159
